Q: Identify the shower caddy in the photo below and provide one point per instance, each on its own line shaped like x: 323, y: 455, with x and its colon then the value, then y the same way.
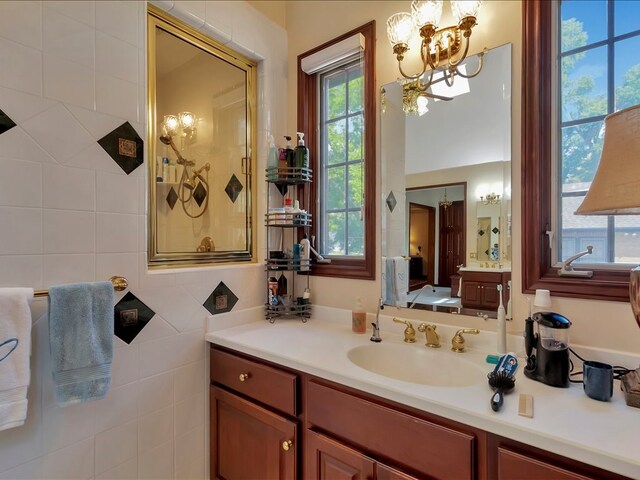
x: 295, y: 182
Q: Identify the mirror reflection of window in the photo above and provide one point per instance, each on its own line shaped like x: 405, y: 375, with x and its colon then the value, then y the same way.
x: 202, y: 134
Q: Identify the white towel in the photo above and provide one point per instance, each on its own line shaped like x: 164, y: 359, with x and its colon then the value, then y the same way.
x: 15, y: 349
x: 400, y: 280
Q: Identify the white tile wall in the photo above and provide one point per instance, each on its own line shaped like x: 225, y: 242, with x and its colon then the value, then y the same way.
x: 68, y: 213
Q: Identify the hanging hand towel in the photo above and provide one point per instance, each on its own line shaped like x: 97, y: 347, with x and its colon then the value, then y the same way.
x: 401, y: 280
x: 81, y: 341
x: 15, y: 350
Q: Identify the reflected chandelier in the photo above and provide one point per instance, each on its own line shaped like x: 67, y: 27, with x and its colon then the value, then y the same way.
x: 450, y: 44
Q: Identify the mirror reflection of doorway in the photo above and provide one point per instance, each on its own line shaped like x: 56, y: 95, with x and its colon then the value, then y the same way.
x: 452, y: 241
x: 422, y: 245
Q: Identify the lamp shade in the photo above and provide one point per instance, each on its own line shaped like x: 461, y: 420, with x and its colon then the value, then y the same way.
x: 615, y: 189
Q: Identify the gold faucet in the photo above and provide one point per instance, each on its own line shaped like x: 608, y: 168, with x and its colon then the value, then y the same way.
x: 432, y: 337
x: 409, y: 332
x: 457, y: 342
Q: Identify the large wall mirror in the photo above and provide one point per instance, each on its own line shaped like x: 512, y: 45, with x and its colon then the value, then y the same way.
x: 446, y: 241
x: 202, y: 139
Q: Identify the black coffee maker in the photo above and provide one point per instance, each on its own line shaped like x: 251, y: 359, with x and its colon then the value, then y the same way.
x: 550, y: 362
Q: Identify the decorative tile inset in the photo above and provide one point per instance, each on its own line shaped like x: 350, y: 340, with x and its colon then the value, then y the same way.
x: 481, y: 232
x: 199, y: 194
x: 233, y: 188
x: 496, y: 230
x: 221, y: 300
x: 130, y: 317
x: 5, y: 122
x: 125, y: 147
x: 391, y: 201
x: 172, y: 198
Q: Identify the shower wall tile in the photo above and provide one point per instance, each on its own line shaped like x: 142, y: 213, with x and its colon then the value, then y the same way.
x: 69, y: 268
x: 118, y: 193
x: 117, y: 97
x: 22, y: 22
x: 69, y: 188
x: 21, y: 232
x: 67, y: 39
x: 119, y: 19
x: 20, y: 183
x: 81, y: 11
x: 117, y: 233
x: 68, y: 82
x: 25, y: 73
x: 116, y: 446
x: 67, y: 231
x: 68, y: 213
x: 116, y: 57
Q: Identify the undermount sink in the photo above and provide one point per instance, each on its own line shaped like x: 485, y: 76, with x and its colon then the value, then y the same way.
x: 418, y: 364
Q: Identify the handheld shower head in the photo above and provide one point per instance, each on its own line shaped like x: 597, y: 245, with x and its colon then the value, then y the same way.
x: 166, y: 139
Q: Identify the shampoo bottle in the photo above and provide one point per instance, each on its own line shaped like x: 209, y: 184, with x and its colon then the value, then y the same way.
x: 290, y: 153
x: 272, y: 159
x: 358, y: 318
x: 305, y: 253
x: 302, y: 153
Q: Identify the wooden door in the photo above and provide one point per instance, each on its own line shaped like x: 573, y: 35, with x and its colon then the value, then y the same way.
x: 422, y: 232
x: 452, y: 241
x: 326, y: 459
x: 248, y: 442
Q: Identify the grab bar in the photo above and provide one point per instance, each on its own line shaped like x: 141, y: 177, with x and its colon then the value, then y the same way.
x: 119, y: 284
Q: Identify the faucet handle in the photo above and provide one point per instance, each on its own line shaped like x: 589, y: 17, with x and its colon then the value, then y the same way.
x: 432, y: 339
x: 458, y: 343
x: 409, y: 332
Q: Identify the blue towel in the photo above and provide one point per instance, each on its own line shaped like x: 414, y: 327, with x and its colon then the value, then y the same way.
x: 81, y: 341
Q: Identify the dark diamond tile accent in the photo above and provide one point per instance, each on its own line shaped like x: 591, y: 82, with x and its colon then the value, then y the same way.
x: 233, y: 188
x: 199, y: 194
x: 496, y: 230
x: 130, y: 317
x: 5, y: 122
x: 481, y: 232
x: 221, y: 300
x: 486, y: 252
x: 125, y: 147
x: 172, y: 198
x: 391, y: 201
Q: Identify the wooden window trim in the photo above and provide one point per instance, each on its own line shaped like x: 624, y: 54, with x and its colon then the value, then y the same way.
x: 307, y: 122
x: 537, y: 112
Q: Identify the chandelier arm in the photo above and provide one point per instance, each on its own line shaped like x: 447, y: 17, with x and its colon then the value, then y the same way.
x: 480, y: 64
x: 434, y: 64
x: 448, y: 79
x: 410, y: 77
x: 454, y: 63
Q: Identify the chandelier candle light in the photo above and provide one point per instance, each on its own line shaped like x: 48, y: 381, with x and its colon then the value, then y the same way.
x: 450, y: 44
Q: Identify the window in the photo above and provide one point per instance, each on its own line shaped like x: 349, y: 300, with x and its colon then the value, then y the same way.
x: 599, y: 73
x: 538, y: 115
x: 336, y: 110
x: 341, y: 161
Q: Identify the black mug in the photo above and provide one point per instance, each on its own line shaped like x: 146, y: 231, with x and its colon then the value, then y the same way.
x: 597, y: 379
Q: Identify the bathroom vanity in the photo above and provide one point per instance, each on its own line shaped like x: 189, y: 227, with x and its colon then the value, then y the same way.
x: 479, y: 287
x: 290, y: 411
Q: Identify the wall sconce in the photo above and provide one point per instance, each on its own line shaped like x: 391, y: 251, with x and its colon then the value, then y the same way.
x: 450, y: 44
x: 490, y: 199
x: 184, y: 120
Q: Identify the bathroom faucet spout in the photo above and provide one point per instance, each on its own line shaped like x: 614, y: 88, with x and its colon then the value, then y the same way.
x: 415, y: 298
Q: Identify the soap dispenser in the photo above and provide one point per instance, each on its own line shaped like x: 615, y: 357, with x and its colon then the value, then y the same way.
x: 358, y: 318
x: 302, y: 153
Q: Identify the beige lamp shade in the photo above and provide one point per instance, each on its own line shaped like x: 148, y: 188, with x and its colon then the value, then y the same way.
x: 615, y: 189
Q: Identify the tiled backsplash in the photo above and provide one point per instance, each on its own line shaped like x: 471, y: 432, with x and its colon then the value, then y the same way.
x: 71, y: 73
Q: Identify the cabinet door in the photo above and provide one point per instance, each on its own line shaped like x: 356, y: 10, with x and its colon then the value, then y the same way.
x: 471, y: 295
x: 326, y: 459
x: 248, y: 442
x: 384, y: 472
x: 489, y: 292
x: 515, y: 466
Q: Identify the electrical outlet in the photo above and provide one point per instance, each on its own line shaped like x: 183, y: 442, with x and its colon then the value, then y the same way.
x: 473, y: 255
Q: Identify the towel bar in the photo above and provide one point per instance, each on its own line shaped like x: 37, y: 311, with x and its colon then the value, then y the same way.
x: 119, y: 284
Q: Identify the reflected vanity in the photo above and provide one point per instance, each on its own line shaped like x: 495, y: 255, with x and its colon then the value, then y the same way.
x: 201, y: 126
x: 449, y: 215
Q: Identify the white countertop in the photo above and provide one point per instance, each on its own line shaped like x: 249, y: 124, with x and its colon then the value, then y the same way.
x: 566, y: 421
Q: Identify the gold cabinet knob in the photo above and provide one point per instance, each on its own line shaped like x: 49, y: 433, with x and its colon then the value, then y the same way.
x: 286, y: 445
x: 244, y: 376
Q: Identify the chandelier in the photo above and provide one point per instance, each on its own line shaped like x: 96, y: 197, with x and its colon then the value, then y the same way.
x: 441, y: 49
x: 490, y: 199
x: 445, y: 202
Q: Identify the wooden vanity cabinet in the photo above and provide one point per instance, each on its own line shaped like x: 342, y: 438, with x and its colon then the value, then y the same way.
x: 253, y: 419
x: 270, y: 422
x: 479, y: 289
